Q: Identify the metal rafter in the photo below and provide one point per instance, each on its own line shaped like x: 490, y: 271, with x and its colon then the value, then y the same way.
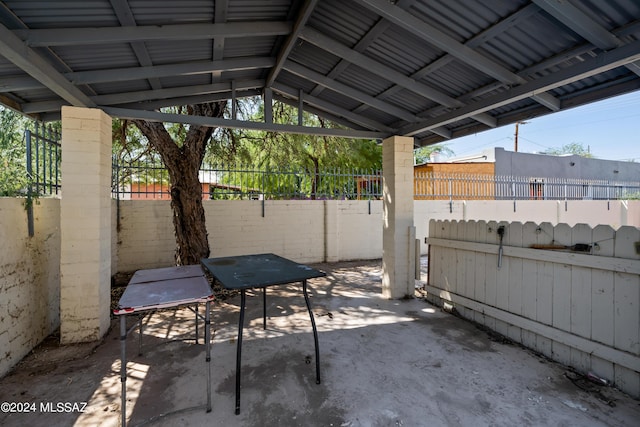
x: 219, y: 17
x: 362, y: 97
x: 361, y: 60
x: 14, y: 49
x: 329, y: 108
x: 125, y: 16
x: 150, y: 95
x: 125, y: 74
x: 239, y: 124
x: 283, y: 55
x: 592, y: 66
x: 134, y: 34
x: 582, y: 24
x: 458, y: 50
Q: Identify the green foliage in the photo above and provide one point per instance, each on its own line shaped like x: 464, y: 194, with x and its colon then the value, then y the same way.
x: 13, y: 171
x: 572, y: 148
x: 293, y: 151
x: 423, y: 154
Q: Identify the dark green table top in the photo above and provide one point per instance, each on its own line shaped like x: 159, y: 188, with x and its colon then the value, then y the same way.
x: 257, y: 271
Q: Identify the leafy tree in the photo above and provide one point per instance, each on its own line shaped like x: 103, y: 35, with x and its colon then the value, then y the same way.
x: 572, y: 148
x: 182, y: 149
x: 423, y: 154
x: 309, y: 154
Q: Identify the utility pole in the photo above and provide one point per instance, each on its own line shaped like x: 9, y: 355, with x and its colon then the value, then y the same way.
x: 516, y: 135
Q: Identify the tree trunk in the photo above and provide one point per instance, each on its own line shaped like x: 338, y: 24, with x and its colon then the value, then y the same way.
x: 183, y: 163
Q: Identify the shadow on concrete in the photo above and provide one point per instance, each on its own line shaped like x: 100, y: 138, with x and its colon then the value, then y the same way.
x: 383, y: 363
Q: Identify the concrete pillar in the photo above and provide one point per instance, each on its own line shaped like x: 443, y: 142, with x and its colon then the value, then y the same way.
x: 85, y: 225
x: 398, y: 245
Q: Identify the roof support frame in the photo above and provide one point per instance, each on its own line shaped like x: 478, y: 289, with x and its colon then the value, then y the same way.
x: 129, y: 33
x: 458, y: 50
x: 581, y: 23
x: 239, y: 124
x: 601, y: 63
x: 37, y: 67
x: 318, y: 78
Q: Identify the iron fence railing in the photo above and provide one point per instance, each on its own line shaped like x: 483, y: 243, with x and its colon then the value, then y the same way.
x: 43, y: 160
x: 142, y: 180
x: 457, y: 186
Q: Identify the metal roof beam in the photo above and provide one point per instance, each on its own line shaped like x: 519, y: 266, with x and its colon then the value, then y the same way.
x: 362, y: 97
x: 371, y: 35
x: 129, y: 34
x: 124, y: 74
x: 14, y: 50
x: 320, y: 113
x: 441, y: 40
x: 186, y: 100
x: 315, y: 37
x: 239, y: 124
x: 150, y: 95
x: 572, y: 17
x: 448, y: 44
x: 217, y: 53
x: 582, y: 24
x: 604, y: 62
x: 305, y: 13
x: 18, y: 83
x: 329, y: 108
x: 125, y: 16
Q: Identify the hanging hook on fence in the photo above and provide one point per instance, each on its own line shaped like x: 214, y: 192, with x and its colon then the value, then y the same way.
x: 500, y: 232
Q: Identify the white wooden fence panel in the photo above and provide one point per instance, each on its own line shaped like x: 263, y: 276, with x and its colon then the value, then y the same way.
x: 581, y: 309
x: 515, y: 286
x: 544, y: 289
x: 480, y: 277
x: 491, y: 272
x: 580, y: 298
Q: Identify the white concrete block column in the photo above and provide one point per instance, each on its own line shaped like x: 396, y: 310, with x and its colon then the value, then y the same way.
x: 85, y: 225
x: 397, y: 245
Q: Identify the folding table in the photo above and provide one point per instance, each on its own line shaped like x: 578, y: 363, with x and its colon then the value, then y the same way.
x: 149, y: 290
x: 261, y: 271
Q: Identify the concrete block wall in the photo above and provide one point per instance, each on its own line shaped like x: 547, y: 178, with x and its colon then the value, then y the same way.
x: 304, y: 230
x: 145, y: 238
x: 293, y: 228
x: 30, y: 272
x: 353, y: 229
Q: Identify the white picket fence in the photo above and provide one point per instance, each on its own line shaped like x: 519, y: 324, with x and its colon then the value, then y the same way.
x: 580, y: 308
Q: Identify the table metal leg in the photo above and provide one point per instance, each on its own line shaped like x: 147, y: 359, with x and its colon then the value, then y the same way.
x: 123, y: 368
x: 140, y: 320
x: 243, y: 297
x: 315, y: 331
x: 207, y: 340
x: 264, y: 308
x: 196, y: 311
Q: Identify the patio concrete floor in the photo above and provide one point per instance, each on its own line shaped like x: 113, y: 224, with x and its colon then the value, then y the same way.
x: 383, y: 363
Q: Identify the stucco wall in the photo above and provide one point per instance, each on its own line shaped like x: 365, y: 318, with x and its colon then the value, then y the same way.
x: 30, y: 277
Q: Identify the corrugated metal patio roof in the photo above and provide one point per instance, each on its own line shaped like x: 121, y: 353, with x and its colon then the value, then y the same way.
x: 431, y: 69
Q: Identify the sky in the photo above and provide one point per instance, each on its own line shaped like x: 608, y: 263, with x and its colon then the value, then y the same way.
x: 609, y: 128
